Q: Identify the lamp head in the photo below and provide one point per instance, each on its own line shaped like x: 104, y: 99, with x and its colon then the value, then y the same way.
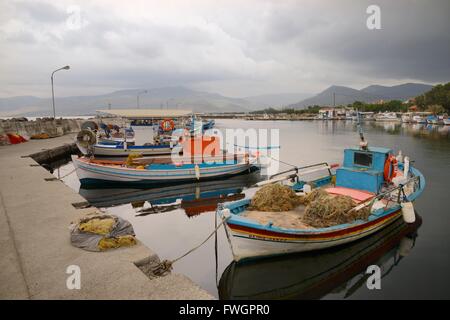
x: 66, y: 68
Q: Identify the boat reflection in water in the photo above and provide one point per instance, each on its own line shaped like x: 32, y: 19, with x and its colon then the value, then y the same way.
x: 313, y: 275
x: 194, y: 198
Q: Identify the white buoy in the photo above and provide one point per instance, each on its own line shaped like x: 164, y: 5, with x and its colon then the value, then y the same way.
x: 197, y: 172
x: 307, y: 188
x: 406, y: 167
x: 408, y: 212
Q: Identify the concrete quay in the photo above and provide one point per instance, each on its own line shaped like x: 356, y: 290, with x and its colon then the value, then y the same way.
x: 35, y: 247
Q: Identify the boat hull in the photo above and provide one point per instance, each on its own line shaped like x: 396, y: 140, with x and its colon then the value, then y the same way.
x: 253, y: 243
x: 250, y: 239
x: 93, y: 173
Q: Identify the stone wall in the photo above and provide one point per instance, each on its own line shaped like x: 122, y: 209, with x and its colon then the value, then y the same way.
x: 54, y: 128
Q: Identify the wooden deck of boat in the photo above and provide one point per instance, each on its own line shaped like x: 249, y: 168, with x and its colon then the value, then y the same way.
x: 284, y: 219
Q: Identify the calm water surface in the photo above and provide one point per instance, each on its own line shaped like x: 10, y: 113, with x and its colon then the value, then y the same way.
x: 415, y: 260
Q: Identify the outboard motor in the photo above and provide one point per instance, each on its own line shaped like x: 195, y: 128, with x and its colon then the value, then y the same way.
x: 85, y: 141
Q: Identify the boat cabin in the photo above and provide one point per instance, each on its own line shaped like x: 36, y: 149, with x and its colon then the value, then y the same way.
x: 363, y: 169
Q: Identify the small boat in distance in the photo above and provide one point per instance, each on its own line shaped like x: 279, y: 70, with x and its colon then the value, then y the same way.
x: 419, y: 119
x: 387, y: 116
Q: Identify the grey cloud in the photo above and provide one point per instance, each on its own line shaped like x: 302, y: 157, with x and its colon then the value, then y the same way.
x: 272, y: 46
x: 41, y: 11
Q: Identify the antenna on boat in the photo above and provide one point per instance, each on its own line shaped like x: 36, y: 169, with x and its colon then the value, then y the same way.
x: 363, y: 142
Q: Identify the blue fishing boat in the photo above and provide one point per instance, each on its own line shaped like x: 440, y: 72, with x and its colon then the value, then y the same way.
x: 377, y: 182
x: 197, y: 126
x: 433, y: 119
x: 363, y: 177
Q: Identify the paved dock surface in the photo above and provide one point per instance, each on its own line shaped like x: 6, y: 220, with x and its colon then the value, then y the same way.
x: 35, y: 247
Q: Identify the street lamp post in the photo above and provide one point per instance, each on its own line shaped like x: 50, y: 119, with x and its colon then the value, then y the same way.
x: 139, y: 93
x: 53, y: 91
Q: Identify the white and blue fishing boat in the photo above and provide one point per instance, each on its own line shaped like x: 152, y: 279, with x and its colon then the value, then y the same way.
x: 312, y: 275
x: 371, y: 176
x: 88, y: 144
x: 433, y: 120
x: 161, y: 169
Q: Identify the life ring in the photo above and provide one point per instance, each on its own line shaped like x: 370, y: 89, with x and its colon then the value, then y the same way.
x: 167, y: 125
x: 389, y: 172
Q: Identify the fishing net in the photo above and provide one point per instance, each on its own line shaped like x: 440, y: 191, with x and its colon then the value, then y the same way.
x: 313, y: 195
x: 102, y: 232
x: 326, y: 210
x: 131, y: 157
x: 275, y: 198
x: 120, y: 241
x: 97, y: 225
x: 317, y: 209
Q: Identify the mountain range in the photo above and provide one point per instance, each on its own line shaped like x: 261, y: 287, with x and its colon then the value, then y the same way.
x: 199, y: 101
x: 340, y: 95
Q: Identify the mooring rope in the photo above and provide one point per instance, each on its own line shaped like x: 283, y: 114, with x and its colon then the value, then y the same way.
x: 281, y: 161
x: 166, y: 265
x: 71, y: 171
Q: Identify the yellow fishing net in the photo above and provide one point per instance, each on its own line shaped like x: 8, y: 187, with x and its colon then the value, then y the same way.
x: 131, y: 157
x: 274, y: 197
x: 121, y: 241
x: 327, y: 210
x: 97, y: 225
x: 317, y: 209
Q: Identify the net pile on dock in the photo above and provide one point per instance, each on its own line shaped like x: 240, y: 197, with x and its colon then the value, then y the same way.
x: 102, y: 232
x: 325, y: 210
x: 275, y: 198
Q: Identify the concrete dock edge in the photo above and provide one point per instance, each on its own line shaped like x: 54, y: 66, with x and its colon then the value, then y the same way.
x: 34, y: 241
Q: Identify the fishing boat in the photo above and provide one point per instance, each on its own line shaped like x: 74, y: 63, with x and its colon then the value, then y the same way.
x: 419, y: 119
x: 200, y: 125
x: 372, y: 177
x: 407, y: 117
x: 446, y: 121
x: 161, y: 169
x: 433, y: 119
x: 340, y: 271
x: 387, y: 116
x: 88, y: 144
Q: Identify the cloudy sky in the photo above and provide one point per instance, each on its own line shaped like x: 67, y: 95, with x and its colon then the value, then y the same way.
x: 236, y: 48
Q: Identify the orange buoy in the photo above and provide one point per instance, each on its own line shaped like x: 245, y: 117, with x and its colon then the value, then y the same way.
x: 167, y: 125
x: 390, y: 168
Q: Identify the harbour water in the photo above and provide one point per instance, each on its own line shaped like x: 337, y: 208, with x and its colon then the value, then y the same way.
x: 414, y: 260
